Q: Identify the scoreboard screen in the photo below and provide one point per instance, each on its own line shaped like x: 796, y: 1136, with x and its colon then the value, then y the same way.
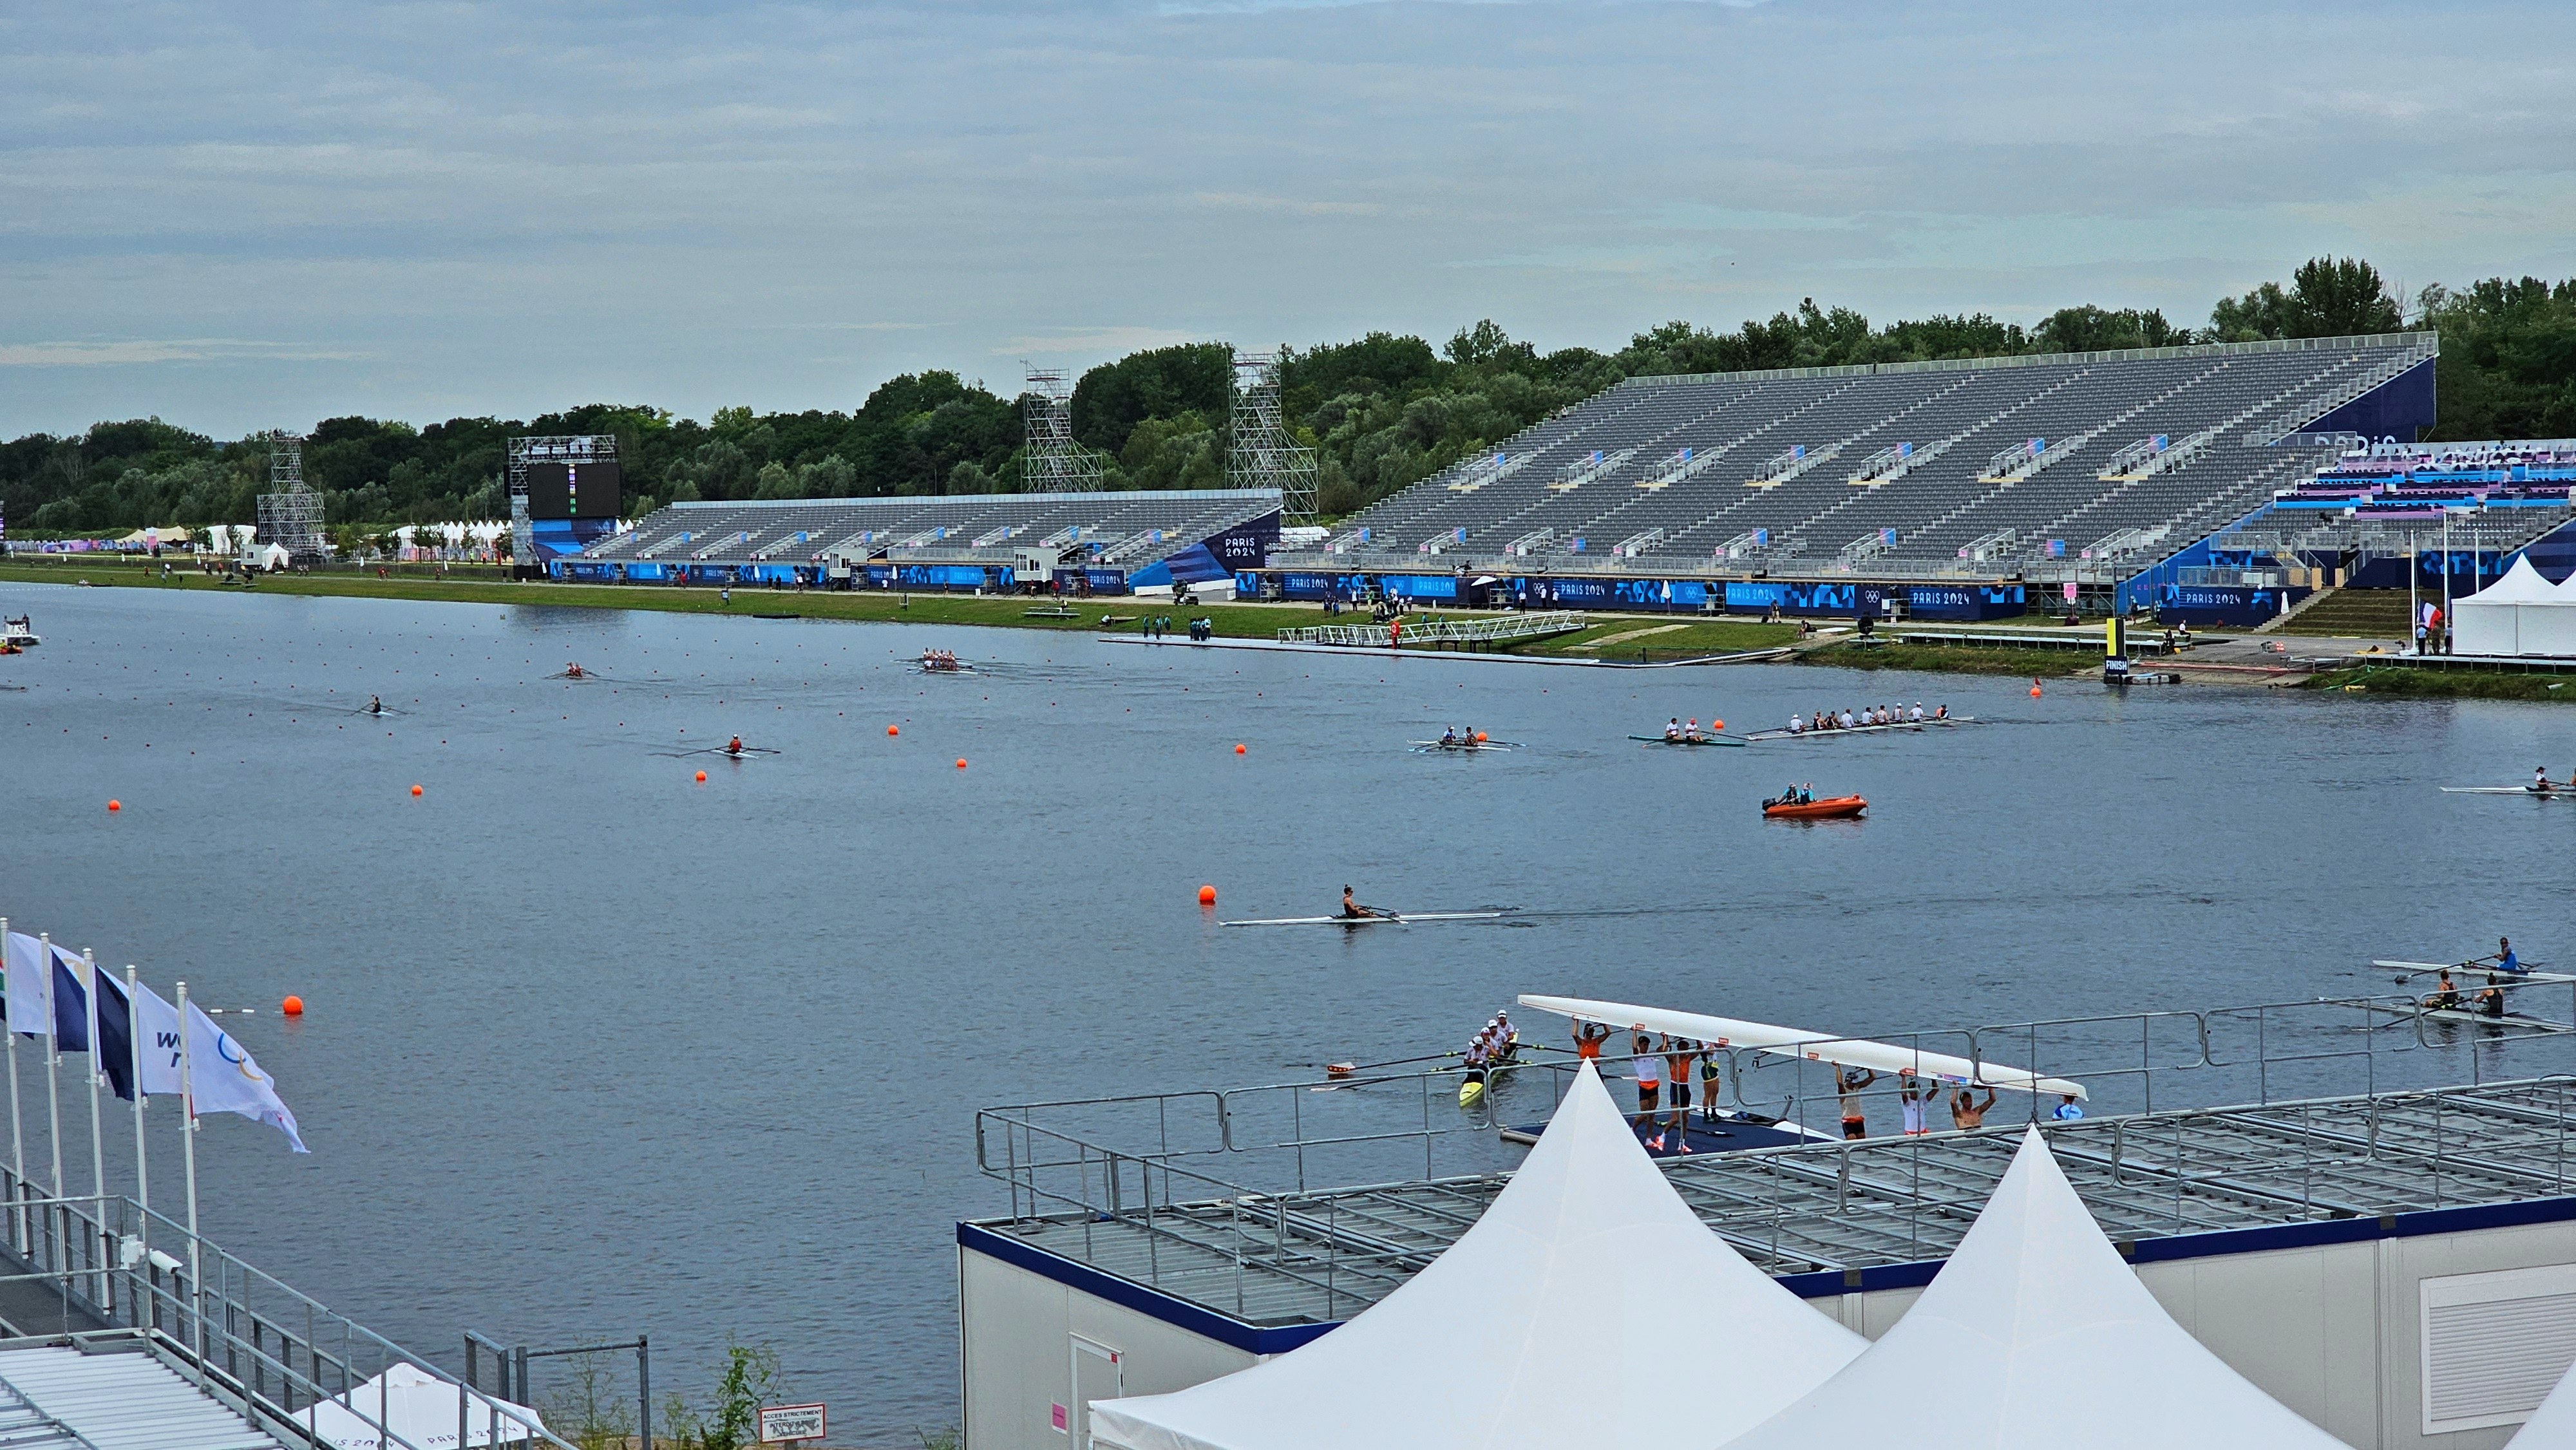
x: 585, y: 490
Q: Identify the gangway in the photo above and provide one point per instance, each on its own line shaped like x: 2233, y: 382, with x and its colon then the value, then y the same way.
x: 1440, y: 633
x: 991, y: 537
x: 1442, y: 542
x: 1483, y: 471
x: 2150, y: 456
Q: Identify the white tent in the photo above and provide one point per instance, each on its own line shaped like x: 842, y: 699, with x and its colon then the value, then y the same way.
x: 2035, y: 1333
x: 2519, y: 614
x: 2553, y: 1425
x: 1586, y: 1293
x: 417, y: 1406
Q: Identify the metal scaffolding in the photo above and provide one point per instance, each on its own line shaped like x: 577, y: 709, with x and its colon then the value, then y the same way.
x: 1053, y: 462
x: 1259, y: 452
x: 290, y: 513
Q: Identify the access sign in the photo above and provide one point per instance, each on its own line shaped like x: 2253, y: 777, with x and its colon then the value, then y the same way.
x: 780, y: 1423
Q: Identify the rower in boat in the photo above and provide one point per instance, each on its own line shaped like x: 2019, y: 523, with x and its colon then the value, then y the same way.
x: 375, y: 704
x: 734, y: 746
x: 1673, y: 728
x: 1690, y: 731
x: 1449, y: 737
x: 2505, y: 960
x: 2540, y: 780
x: 2446, y: 996
x: 572, y: 672
x: 1353, y: 911
x: 1797, y: 724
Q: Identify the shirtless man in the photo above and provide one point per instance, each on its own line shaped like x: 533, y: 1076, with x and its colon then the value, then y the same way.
x: 1352, y: 910
x: 1967, y: 1114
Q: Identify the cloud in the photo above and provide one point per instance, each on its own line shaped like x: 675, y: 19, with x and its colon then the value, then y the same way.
x: 145, y: 350
x: 1247, y: 201
x: 1111, y: 340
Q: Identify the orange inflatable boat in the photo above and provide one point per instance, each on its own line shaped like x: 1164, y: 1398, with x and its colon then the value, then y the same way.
x: 1822, y: 808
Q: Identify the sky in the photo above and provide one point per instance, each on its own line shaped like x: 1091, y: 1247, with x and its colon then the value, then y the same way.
x: 255, y: 215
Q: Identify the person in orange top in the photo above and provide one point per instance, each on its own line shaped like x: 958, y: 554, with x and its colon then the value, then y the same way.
x: 1588, y: 1037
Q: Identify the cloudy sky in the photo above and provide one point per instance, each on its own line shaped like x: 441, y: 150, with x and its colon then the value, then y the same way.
x: 251, y: 215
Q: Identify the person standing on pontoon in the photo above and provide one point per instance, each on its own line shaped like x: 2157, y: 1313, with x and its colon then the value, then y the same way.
x: 1649, y: 1068
x: 1848, y: 1082
x: 2067, y: 1109
x: 1678, y: 1052
x: 1966, y: 1113
x: 1588, y: 1037
x: 1711, y: 1081
x: 1913, y: 1095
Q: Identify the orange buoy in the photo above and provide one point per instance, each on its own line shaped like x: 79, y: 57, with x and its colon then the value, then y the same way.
x: 890, y: 730
x: 2034, y: 689
x: 702, y: 777
x: 1480, y: 737
x: 1207, y: 896
x: 961, y: 762
x: 1238, y: 747
x: 1716, y: 724
x: 116, y: 805
x: 415, y: 790
x: 293, y: 1006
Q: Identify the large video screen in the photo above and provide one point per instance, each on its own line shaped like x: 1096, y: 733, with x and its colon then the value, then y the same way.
x: 573, y: 490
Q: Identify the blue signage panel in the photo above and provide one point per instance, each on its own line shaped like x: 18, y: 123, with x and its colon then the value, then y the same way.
x: 1964, y: 601
x: 2227, y: 604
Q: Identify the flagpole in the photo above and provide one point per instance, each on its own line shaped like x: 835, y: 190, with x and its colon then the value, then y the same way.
x: 97, y: 1139
x: 53, y: 1061
x: 188, y: 1138
x: 142, y: 1164
x: 17, y: 1133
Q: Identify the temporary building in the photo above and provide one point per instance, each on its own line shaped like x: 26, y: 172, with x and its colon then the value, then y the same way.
x: 421, y: 1409
x: 2519, y: 614
x: 2553, y: 1425
x: 2035, y: 1333
x: 1586, y: 1291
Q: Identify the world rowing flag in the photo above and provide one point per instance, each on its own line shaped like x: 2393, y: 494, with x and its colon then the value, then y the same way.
x: 30, y: 995
x: 71, y: 1003
x: 224, y: 1078
x: 115, y: 1037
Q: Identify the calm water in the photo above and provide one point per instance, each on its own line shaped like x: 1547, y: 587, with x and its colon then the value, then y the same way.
x: 594, y: 1049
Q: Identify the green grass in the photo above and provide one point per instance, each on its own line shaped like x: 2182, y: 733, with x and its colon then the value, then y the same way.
x: 1691, y: 639
x: 2403, y: 683
x: 1960, y: 659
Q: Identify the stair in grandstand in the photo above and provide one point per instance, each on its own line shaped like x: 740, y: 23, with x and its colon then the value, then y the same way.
x: 2380, y: 614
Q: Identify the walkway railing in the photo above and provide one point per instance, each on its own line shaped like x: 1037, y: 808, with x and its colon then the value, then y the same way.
x: 1438, y: 633
x: 248, y: 1339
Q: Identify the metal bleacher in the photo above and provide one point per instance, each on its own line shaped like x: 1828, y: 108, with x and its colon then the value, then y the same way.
x: 2054, y: 453
x: 1127, y: 528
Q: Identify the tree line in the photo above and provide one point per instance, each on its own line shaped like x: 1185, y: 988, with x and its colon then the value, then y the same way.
x: 1382, y: 411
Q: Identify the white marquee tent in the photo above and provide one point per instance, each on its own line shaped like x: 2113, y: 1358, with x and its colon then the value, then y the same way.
x: 2035, y: 1333
x: 2519, y: 614
x: 418, y: 1407
x: 2553, y: 1425
x: 1587, y: 1293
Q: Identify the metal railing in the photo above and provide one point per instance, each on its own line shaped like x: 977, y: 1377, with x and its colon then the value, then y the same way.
x: 245, y: 1337
x: 1438, y: 632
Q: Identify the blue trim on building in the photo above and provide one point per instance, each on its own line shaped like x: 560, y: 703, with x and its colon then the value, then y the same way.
x: 1223, y: 1328
x: 1824, y: 1285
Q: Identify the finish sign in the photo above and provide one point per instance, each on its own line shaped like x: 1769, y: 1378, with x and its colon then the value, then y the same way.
x: 782, y: 1423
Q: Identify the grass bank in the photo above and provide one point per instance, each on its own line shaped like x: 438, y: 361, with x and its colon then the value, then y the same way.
x: 1959, y: 659
x: 2403, y: 683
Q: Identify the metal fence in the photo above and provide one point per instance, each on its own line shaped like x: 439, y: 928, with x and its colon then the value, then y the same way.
x: 239, y: 1333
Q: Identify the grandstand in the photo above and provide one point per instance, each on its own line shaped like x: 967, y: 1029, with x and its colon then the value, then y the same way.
x: 1110, y: 543
x: 2090, y: 467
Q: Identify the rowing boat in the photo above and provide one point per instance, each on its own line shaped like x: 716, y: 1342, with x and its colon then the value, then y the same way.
x: 1788, y: 734
x: 2535, y: 794
x: 1825, y: 808
x: 1462, y: 745
x: 1685, y: 740
x: 1383, y: 918
x: 2468, y: 1015
x: 1728, y: 1032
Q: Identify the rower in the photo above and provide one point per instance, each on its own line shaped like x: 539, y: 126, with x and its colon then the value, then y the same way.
x: 1797, y: 724
x: 2446, y: 997
x: 2506, y: 961
x: 375, y: 704
x: 572, y: 672
x: 1918, y: 712
x: 1940, y: 712
x: 1690, y: 731
x: 1352, y: 910
x: 734, y: 746
x: 1449, y: 736
x: 1673, y: 728
x: 2491, y: 1002
x: 2540, y: 779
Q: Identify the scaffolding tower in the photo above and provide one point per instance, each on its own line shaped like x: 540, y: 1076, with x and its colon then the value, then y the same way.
x: 290, y: 513
x: 1052, y: 461
x: 1259, y: 452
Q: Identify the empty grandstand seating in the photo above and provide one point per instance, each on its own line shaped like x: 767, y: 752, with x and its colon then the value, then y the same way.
x: 1973, y: 463
x: 1129, y: 530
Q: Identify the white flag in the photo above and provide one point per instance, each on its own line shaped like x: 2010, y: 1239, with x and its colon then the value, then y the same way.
x: 224, y: 1077
x: 29, y: 989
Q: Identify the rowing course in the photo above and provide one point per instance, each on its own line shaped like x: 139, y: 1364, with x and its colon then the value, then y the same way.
x: 571, y: 958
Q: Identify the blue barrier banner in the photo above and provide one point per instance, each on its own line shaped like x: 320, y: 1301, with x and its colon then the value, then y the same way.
x: 1964, y: 601
x: 1106, y: 581
x: 2228, y: 604
x: 1797, y: 597
x: 1419, y: 586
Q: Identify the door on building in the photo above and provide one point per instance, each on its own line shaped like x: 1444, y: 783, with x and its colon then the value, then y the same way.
x: 1098, y: 1373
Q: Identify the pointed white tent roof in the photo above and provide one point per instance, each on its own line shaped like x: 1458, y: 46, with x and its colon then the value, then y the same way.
x: 2036, y: 1333
x: 2553, y: 1425
x: 1576, y: 1296
x: 2521, y: 584
x: 420, y: 1408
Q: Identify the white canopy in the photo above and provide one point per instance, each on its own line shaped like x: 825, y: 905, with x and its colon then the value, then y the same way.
x: 2035, y: 1333
x: 416, y: 1406
x: 1587, y: 1292
x: 2553, y: 1425
x: 2519, y: 614
x: 1794, y: 1042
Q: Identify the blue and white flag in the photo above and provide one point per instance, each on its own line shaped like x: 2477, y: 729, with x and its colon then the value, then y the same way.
x: 223, y: 1077
x: 30, y: 992
x: 71, y: 1002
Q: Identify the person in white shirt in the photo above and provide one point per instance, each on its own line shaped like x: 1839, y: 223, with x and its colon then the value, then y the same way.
x: 1847, y: 719
x: 1648, y: 1065
x: 1797, y: 724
